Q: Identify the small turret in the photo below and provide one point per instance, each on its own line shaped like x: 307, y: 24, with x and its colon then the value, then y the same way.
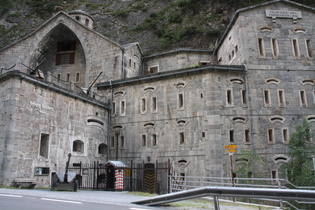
x: 82, y: 17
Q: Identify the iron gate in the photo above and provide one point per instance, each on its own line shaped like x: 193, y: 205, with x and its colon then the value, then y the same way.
x: 152, y: 178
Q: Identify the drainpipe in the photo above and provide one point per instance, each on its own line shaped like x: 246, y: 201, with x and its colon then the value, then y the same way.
x: 248, y: 107
x: 110, y: 101
x: 123, y: 63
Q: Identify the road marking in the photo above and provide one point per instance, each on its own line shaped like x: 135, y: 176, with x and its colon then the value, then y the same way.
x: 138, y: 209
x: 15, y: 196
x: 63, y: 201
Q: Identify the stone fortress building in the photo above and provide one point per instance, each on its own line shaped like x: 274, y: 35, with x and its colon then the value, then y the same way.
x: 66, y: 88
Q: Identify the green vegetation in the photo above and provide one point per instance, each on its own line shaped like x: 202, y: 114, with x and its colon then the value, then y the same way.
x: 301, y: 150
x: 300, y: 168
x: 5, y: 5
x: 250, y: 164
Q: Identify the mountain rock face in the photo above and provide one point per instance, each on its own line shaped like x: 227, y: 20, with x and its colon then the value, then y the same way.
x: 158, y: 25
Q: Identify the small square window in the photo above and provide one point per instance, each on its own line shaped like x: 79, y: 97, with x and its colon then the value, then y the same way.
x: 42, y: 171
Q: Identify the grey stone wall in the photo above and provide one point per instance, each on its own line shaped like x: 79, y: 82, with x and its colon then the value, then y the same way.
x: 32, y: 111
x: 253, y: 24
x: 179, y: 59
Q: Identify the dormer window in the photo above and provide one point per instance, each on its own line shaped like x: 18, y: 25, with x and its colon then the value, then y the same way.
x: 65, y: 52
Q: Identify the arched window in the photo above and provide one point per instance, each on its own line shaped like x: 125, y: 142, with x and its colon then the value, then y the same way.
x: 102, y: 149
x: 78, y: 146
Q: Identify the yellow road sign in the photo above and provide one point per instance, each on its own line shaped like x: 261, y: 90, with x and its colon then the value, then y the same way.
x: 231, y: 150
x: 231, y: 146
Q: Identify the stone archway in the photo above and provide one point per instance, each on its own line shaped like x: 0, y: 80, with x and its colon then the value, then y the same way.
x: 61, y: 53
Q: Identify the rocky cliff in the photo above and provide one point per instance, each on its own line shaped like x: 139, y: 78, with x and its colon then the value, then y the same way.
x: 158, y: 25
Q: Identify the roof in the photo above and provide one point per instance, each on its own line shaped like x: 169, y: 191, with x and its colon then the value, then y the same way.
x: 237, y: 13
x: 81, y: 13
x: 171, y: 74
x: 180, y: 51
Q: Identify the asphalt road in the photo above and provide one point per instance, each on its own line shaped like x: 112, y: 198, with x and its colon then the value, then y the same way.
x: 11, y: 199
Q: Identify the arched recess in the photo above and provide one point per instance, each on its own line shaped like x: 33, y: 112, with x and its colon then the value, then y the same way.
x: 61, y: 53
x: 78, y: 146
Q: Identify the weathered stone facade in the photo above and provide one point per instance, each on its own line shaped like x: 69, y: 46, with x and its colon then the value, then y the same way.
x: 183, y: 106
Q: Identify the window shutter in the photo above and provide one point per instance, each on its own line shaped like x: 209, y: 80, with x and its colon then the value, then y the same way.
x: 58, y: 59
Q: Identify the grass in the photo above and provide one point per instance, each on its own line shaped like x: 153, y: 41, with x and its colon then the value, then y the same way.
x: 201, y: 203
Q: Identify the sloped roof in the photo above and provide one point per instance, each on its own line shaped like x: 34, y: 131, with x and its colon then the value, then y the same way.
x: 237, y: 13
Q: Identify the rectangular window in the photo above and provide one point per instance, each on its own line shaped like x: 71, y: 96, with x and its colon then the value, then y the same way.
x: 229, y: 98
x: 261, y: 47
x: 44, y: 145
x: 180, y: 101
x: 113, y: 108
x: 285, y: 135
x: 41, y: 171
x: 112, y: 142
x: 246, y: 136
x: 181, y: 138
x: 281, y: 98
x: 308, y: 48
x: 274, y: 46
x: 144, y: 140
x: 231, y: 136
x: 270, y: 136
x: 243, y: 95
x: 65, y: 58
x: 58, y: 77
x: 154, y: 140
x: 143, y: 105
x: 152, y: 70
x: 122, y: 141
x: 77, y: 77
x: 303, y: 100
x: 274, y: 174
x: 267, y: 98
x: 68, y: 77
x: 154, y: 105
x: 296, y: 49
x: 122, y: 107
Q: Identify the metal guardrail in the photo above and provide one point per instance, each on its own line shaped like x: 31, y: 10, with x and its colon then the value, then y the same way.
x: 215, y: 192
x: 179, y: 183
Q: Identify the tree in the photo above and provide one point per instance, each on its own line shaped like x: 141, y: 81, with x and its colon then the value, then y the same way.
x: 301, y: 146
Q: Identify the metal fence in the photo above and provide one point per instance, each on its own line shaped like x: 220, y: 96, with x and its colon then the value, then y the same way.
x: 130, y: 176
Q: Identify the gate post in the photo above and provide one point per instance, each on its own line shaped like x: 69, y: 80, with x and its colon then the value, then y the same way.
x: 130, y: 177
